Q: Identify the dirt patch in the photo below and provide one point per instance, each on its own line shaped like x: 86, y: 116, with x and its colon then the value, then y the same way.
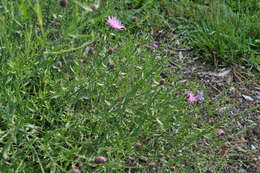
x: 235, y: 95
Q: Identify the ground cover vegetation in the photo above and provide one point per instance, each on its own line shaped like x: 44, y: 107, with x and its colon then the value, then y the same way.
x: 115, y: 86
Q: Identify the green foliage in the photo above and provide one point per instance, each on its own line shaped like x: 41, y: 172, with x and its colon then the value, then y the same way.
x: 223, y: 32
x: 60, y: 102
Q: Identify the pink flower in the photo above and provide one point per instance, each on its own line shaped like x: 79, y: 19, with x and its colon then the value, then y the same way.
x: 258, y: 158
x: 114, y: 23
x: 191, y: 98
x: 220, y: 132
x: 200, y: 96
x: 101, y: 159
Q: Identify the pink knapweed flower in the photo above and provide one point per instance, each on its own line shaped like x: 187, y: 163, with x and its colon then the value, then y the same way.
x: 114, y: 23
x: 191, y: 98
x: 220, y: 132
x: 101, y: 159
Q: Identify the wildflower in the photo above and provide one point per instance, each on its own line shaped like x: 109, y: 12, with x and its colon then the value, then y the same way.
x: 200, y: 96
x: 191, y: 98
x: 114, y: 23
x: 101, y: 159
x: 220, y: 132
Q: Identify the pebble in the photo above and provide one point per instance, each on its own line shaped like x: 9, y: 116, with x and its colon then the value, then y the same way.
x: 248, y: 98
x: 253, y: 147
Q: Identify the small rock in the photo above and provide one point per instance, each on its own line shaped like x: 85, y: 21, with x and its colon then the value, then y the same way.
x: 248, y: 98
x: 253, y: 147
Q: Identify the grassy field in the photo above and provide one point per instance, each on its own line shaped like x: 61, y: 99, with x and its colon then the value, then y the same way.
x: 223, y: 32
x: 73, y: 89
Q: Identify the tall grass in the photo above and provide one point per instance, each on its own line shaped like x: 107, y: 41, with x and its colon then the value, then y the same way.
x: 222, y: 32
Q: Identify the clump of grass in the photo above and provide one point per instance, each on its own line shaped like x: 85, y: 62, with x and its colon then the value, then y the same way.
x: 223, y: 32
